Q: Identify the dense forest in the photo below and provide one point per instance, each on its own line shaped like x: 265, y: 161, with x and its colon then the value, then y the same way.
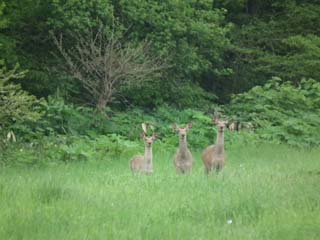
x: 101, y: 67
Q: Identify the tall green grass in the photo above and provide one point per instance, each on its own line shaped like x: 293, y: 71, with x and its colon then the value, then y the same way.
x: 264, y: 192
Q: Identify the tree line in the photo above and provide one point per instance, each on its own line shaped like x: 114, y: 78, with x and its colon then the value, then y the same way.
x: 212, y: 48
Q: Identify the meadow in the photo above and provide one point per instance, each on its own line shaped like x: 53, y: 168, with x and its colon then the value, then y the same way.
x: 265, y: 191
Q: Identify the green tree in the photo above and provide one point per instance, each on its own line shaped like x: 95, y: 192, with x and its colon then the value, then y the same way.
x: 274, y: 38
x: 16, y: 105
x: 192, y: 34
x: 30, y: 23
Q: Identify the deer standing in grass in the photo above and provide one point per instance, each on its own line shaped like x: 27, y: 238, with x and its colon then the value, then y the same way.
x: 183, y: 160
x: 234, y: 126
x: 143, y: 164
x: 213, y: 157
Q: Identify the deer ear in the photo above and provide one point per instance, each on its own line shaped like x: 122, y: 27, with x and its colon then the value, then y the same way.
x: 154, y: 136
x: 144, y: 127
x: 189, y: 125
x: 175, y: 127
x: 215, y: 120
x: 142, y: 135
x: 151, y: 127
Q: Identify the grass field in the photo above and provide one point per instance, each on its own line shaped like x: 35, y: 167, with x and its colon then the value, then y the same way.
x: 264, y: 192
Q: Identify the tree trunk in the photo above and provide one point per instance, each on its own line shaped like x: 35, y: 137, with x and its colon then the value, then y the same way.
x: 101, y: 104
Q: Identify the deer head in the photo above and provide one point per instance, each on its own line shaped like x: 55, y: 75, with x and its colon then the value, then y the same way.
x: 148, y: 140
x: 221, y: 124
x: 182, y: 131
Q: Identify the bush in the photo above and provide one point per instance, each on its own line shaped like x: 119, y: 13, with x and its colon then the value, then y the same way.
x: 129, y: 125
x: 16, y: 105
x: 121, y: 139
x: 62, y: 148
x: 62, y: 118
x: 282, y: 111
x: 155, y: 93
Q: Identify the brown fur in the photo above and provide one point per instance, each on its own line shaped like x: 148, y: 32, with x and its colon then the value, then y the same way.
x: 136, y: 163
x: 233, y: 126
x: 144, y: 164
x: 213, y: 157
x: 183, y: 160
x: 211, y: 160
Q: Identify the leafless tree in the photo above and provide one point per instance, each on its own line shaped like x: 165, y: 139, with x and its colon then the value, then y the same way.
x: 103, y: 63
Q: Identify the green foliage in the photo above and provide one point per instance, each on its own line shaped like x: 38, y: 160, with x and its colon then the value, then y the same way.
x: 80, y: 16
x: 7, y: 44
x: 100, y: 148
x: 153, y: 94
x: 284, y: 112
x: 3, y: 21
x: 16, y: 105
x: 271, y: 38
x: 297, y: 58
x: 211, y: 52
x: 223, y: 52
x: 26, y: 40
x: 64, y: 148
x: 62, y: 118
x: 58, y: 117
x: 202, y: 133
x: 190, y: 34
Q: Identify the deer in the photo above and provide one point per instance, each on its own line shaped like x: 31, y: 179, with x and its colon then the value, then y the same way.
x: 213, y: 156
x: 144, y: 164
x: 183, y: 159
x: 233, y: 126
x: 246, y: 126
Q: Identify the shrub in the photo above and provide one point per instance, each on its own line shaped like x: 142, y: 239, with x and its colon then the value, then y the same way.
x: 63, y: 148
x: 129, y: 125
x: 16, y: 105
x: 155, y: 93
x: 62, y: 118
x: 282, y: 111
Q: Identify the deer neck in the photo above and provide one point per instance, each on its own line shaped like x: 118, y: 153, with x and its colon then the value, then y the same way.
x: 148, y: 154
x: 183, y: 146
x: 220, y: 143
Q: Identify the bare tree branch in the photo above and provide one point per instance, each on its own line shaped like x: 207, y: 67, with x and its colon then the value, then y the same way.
x: 104, y: 63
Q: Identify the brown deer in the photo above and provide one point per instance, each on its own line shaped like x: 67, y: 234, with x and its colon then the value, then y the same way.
x: 233, y: 126
x: 143, y: 164
x: 213, y: 157
x: 183, y: 159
